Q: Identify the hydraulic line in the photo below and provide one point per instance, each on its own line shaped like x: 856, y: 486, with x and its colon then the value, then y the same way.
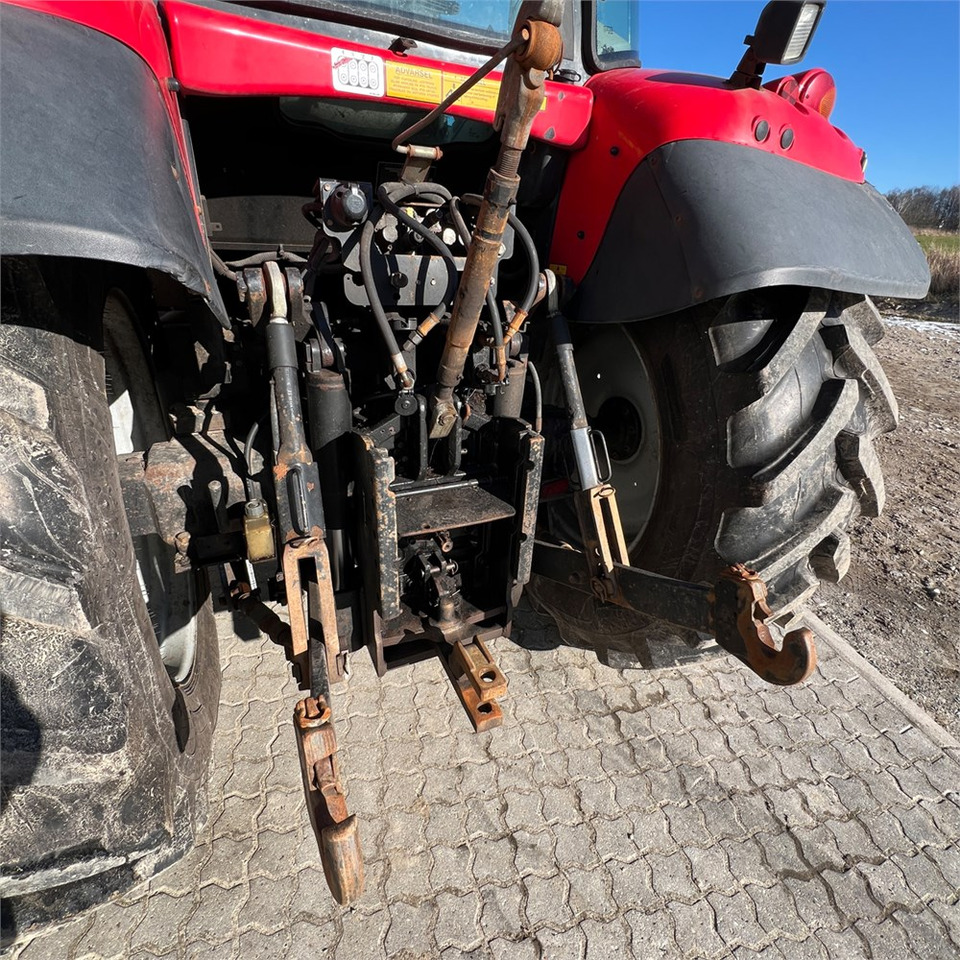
x: 258, y: 259
x: 251, y: 486
x: 390, y: 199
x: 386, y: 331
x: 248, y: 447
x: 222, y: 268
x: 533, y: 280
x: 430, y: 321
x: 390, y: 196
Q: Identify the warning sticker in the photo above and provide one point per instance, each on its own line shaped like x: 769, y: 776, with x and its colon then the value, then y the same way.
x: 481, y: 97
x: 364, y: 73
x: 429, y: 85
x: 355, y: 72
x: 407, y: 82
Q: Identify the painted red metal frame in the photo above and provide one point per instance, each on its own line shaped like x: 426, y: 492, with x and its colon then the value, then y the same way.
x: 226, y: 54
x: 637, y: 111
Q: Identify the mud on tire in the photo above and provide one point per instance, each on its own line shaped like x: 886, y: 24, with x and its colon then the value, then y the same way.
x: 767, y: 406
x: 104, y: 758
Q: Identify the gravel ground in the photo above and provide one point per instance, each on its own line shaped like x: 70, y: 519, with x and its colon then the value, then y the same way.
x: 899, y: 606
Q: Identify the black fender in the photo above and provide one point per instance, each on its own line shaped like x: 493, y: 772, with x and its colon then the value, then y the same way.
x: 89, y: 163
x: 700, y: 219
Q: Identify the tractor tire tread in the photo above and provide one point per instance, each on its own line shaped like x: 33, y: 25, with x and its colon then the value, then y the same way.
x: 814, y: 468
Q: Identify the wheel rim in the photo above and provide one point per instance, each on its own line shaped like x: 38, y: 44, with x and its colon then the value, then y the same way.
x: 137, y: 420
x: 619, y: 396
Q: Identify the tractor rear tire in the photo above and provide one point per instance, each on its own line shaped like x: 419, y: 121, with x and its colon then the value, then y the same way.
x: 750, y: 437
x: 105, y: 752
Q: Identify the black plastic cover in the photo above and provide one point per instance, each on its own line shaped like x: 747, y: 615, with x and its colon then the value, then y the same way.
x: 89, y: 166
x: 701, y: 219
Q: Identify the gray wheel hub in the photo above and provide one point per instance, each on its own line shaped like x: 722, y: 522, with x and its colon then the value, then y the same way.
x: 619, y: 397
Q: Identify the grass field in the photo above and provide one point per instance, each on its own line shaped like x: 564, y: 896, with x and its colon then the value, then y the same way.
x: 943, y: 254
x: 939, y: 240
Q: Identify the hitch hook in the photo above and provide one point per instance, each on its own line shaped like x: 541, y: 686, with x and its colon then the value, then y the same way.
x: 740, y: 612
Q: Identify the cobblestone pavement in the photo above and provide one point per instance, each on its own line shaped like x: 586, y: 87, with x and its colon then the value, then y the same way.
x: 694, y: 813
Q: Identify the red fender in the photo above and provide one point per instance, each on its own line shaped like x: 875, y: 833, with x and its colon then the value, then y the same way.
x: 636, y: 111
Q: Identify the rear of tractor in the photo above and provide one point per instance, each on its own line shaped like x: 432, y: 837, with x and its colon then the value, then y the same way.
x: 268, y: 322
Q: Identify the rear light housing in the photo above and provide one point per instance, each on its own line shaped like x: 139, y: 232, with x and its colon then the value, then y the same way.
x: 814, y: 89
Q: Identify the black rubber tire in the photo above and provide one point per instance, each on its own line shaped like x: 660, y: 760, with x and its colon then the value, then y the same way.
x: 768, y: 403
x: 104, y: 758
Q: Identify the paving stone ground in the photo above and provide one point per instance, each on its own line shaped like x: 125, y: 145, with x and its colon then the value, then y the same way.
x: 615, y: 814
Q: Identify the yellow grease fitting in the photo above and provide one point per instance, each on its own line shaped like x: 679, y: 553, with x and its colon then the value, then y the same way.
x: 428, y: 85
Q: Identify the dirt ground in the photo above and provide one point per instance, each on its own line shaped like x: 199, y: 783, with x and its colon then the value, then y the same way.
x: 900, y: 603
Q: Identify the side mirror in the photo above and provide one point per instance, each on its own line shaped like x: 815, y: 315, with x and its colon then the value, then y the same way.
x: 782, y: 36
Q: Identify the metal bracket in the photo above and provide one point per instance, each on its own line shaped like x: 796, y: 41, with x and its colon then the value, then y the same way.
x: 319, y: 600
x: 336, y: 830
x: 603, y: 536
x: 479, y: 683
x: 735, y: 611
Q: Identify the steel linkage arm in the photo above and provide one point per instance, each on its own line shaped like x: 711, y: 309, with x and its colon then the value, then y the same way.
x: 733, y: 610
x: 521, y: 96
x: 336, y: 830
x: 311, y: 604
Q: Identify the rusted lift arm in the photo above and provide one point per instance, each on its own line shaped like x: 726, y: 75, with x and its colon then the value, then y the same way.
x: 734, y: 610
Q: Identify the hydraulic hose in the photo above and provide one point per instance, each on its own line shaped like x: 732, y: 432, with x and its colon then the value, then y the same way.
x: 533, y: 280
x: 251, y: 486
x: 386, y: 331
x: 391, y: 195
x: 248, y: 447
x: 222, y: 268
x: 284, y: 256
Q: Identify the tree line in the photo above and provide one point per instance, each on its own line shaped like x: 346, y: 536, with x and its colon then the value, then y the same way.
x: 928, y: 207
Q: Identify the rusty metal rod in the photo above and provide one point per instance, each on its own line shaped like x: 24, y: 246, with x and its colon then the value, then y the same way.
x: 501, y: 190
x: 515, y: 43
x: 492, y: 308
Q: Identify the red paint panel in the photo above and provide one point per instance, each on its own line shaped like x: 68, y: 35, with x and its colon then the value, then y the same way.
x: 226, y: 54
x: 637, y: 111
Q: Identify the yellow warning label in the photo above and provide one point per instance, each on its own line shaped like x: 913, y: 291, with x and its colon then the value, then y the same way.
x: 408, y: 82
x: 428, y: 85
x: 481, y: 97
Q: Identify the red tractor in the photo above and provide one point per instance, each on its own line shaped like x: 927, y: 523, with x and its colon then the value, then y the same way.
x: 385, y: 311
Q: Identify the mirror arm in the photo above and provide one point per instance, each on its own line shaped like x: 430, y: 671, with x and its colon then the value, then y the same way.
x: 749, y: 72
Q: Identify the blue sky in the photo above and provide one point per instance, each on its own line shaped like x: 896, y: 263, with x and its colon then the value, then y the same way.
x: 896, y: 63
